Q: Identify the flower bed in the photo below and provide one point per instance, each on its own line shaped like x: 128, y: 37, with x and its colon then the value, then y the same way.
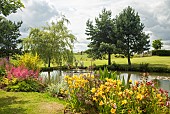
x: 89, y: 94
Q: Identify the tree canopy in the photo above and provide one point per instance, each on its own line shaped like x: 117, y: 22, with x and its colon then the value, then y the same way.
x: 131, y: 38
x: 157, y: 44
x: 123, y: 35
x: 9, y: 37
x: 102, y: 36
x: 52, y: 42
x: 10, y: 6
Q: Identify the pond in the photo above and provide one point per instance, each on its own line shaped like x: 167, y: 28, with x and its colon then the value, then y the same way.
x: 163, y: 79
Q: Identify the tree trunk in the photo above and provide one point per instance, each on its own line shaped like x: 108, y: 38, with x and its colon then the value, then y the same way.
x: 129, y: 62
x: 49, y: 61
x: 109, y: 59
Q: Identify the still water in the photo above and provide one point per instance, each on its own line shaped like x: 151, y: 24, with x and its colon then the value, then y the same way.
x: 163, y: 79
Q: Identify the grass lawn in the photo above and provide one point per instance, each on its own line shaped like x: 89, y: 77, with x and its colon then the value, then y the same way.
x: 161, y: 61
x: 29, y: 103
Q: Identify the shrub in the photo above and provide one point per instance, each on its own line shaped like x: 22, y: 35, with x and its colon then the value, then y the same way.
x: 28, y: 85
x: 30, y: 61
x: 20, y: 72
x: 21, y: 79
x: 161, y: 52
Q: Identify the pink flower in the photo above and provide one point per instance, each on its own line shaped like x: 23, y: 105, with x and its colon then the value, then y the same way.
x: 21, y: 73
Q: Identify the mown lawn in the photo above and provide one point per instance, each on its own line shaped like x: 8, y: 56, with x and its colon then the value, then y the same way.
x: 29, y: 103
x: 161, y: 61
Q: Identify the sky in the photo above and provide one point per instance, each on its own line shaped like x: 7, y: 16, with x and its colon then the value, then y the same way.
x: 155, y: 15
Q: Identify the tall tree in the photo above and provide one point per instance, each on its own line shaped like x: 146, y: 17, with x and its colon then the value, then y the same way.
x: 53, y: 42
x: 131, y: 38
x: 102, y: 36
x: 9, y: 37
x: 10, y: 6
x: 157, y: 44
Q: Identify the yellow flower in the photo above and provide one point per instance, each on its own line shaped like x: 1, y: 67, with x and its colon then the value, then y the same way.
x: 130, y: 81
x: 158, y: 95
x: 93, y: 90
x: 124, y: 102
x: 92, y: 76
x: 113, y: 111
x: 120, y: 93
x: 130, y: 92
x: 107, y: 89
x: 119, y: 82
x: 139, y: 96
x: 94, y: 99
x: 101, y: 103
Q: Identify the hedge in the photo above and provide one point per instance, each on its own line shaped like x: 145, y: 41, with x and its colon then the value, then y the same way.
x: 161, y: 52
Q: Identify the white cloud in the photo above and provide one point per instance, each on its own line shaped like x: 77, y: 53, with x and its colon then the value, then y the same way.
x: 155, y: 14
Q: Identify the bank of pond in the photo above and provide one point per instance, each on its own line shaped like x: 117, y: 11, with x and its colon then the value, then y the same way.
x: 143, y: 67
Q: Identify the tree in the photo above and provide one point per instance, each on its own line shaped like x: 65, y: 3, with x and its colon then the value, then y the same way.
x: 102, y: 36
x: 131, y: 38
x: 9, y: 37
x: 157, y: 44
x: 53, y: 42
x: 10, y: 6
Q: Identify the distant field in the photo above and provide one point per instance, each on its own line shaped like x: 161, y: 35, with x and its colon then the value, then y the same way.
x: 163, y: 61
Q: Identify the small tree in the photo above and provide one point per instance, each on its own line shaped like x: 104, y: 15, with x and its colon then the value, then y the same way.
x: 9, y: 37
x: 102, y: 36
x: 157, y: 44
x: 53, y: 42
x: 131, y: 38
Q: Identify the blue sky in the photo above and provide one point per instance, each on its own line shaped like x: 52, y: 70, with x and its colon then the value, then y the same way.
x: 155, y: 14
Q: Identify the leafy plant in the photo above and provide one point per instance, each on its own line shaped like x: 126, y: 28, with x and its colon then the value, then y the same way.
x: 106, y: 74
x: 59, y: 89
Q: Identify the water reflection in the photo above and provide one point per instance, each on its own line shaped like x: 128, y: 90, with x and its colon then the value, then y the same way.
x: 163, y: 80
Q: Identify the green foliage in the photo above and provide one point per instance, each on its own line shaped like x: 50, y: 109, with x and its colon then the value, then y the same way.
x: 106, y: 74
x: 157, y: 44
x: 144, y: 67
x: 53, y: 43
x: 102, y: 36
x: 29, y: 85
x: 132, y: 39
x: 9, y: 37
x: 161, y: 52
x: 59, y: 89
x: 10, y: 6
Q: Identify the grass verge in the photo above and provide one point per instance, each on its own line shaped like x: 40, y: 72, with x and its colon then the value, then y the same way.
x: 29, y: 103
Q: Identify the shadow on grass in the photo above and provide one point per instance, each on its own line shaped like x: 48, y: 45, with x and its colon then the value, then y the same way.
x: 7, y: 105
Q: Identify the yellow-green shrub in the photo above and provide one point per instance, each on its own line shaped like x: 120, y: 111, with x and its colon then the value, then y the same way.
x: 30, y: 61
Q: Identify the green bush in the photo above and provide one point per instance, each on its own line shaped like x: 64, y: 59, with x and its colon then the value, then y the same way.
x: 29, y: 85
x: 161, y: 52
x: 144, y: 67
